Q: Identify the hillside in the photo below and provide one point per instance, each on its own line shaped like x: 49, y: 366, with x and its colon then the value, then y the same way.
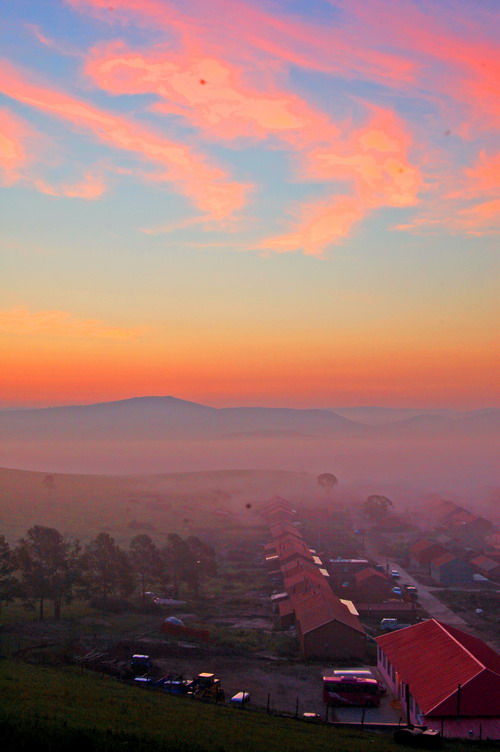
x: 83, y: 505
x: 171, y: 418
x: 444, y: 451
x: 66, y: 707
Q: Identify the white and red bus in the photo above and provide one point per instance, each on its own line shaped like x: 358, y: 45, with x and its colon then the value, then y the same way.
x: 351, y: 690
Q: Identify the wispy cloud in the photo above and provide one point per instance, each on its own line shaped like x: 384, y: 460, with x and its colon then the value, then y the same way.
x: 17, y: 140
x: 20, y: 321
x: 222, y: 70
x: 208, y: 186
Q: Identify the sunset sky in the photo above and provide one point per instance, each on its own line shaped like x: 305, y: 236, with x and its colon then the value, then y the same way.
x: 288, y: 203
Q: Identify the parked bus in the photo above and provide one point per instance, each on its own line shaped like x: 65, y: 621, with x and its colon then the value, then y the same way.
x: 351, y: 690
x: 362, y: 673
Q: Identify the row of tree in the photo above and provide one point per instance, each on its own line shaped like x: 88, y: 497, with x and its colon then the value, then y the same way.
x: 46, y: 567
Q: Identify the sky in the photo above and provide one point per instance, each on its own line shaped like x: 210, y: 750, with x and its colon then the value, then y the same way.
x: 289, y: 203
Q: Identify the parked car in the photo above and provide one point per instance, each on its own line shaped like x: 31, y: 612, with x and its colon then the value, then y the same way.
x: 411, y: 592
x: 410, y: 587
x: 397, y: 590
x: 389, y: 625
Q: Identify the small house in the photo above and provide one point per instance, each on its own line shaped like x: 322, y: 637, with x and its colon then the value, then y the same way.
x: 450, y: 570
x: 444, y: 678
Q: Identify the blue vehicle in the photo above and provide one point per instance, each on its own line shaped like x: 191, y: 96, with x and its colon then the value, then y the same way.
x: 140, y: 664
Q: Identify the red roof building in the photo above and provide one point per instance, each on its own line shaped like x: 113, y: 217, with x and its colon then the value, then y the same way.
x: 279, y: 529
x: 487, y: 567
x: 450, y: 570
x: 423, y: 552
x: 443, y: 677
x: 277, y: 510
x: 328, y: 628
x: 370, y: 585
x: 290, y: 548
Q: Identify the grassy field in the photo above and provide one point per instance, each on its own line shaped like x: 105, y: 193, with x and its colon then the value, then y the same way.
x: 216, y: 503
x: 59, y: 707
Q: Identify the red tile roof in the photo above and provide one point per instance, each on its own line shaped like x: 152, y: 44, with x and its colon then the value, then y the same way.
x: 483, y: 562
x: 368, y: 573
x: 302, y: 567
x: 319, y: 609
x: 278, y: 529
x: 462, y: 516
x: 277, y: 502
x: 290, y: 547
x: 434, y: 658
x: 420, y: 545
x: 443, y: 559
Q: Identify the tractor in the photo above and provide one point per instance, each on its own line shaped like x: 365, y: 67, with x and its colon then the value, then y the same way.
x: 207, y: 686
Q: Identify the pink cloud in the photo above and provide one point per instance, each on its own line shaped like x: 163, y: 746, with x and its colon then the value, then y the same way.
x: 374, y: 160
x: 206, y: 185
x: 484, y: 176
x: 205, y: 90
x: 455, y: 212
x: 374, y: 157
x: 213, y: 96
x: 240, y: 30
x: 52, y: 44
x: 321, y: 224
x: 16, y: 142
x: 480, y: 219
x: 227, y: 94
x: 21, y: 147
x: 454, y: 59
x: 92, y: 186
x: 209, y: 92
x: 224, y: 72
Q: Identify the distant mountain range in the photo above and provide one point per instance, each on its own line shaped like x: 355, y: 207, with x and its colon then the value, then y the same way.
x: 156, y: 418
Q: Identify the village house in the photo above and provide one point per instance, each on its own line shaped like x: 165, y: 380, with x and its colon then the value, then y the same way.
x: 444, y: 678
x: 278, y: 510
x: 437, y: 511
x: 328, y: 627
x: 342, y: 571
x: 470, y: 527
x: 370, y: 585
x: 489, y: 568
x: 423, y: 552
x: 450, y: 570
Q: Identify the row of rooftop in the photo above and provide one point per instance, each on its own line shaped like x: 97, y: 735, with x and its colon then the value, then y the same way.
x: 441, y: 676
x: 464, y: 547
x: 326, y: 624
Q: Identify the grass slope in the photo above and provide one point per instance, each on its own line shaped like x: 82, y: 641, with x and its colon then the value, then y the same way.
x: 83, y: 505
x: 56, y: 709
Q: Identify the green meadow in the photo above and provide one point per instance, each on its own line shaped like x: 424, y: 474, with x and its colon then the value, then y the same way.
x: 57, y: 709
